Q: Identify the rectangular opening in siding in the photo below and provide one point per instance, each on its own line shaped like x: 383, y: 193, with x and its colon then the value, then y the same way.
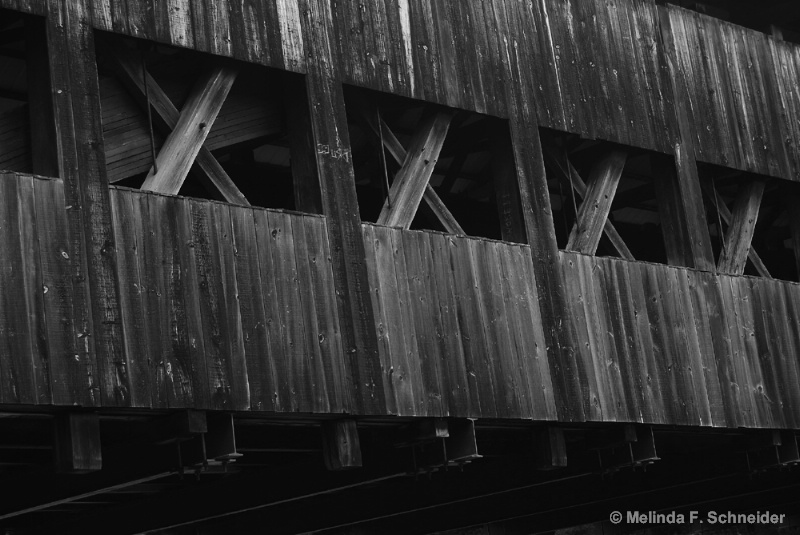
x: 605, y: 197
x: 205, y: 126
x: 26, y: 107
x: 424, y: 166
x: 754, y: 222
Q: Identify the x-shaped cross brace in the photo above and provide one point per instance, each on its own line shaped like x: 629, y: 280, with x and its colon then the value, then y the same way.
x: 187, y: 130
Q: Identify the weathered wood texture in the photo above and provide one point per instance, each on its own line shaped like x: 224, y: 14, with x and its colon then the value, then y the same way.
x: 229, y: 307
x: 38, y: 363
x: 460, y: 333
x: 596, y: 68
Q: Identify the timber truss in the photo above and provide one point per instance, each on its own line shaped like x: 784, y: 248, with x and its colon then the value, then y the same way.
x: 426, y: 166
x: 624, y: 202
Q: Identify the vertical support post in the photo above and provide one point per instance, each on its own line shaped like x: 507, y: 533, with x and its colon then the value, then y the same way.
x: 537, y: 213
x: 689, y: 193
x: 340, y: 444
x: 340, y: 205
x: 504, y: 175
x: 671, y: 211
x: 302, y: 151
x: 100, y: 375
x: 77, y: 443
x: 551, y: 448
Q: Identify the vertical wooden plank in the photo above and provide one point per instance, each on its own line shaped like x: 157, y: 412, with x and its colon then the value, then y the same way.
x: 722, y: 344
x: 340, y: 205
x: 590, y: 398
x: 540, y: 380
x: 190, y: 351
x: 319, y: 387
x: 19, y: 347
x: 167, y: 236
x: 751, y: 365
x: 598, y: 272
x: 790, y: 311
x: 288, y: 295
x: 290, y: 36
x: 471, y: 329
x: 427, y: 325
x: 767, y: 338
x: 393, y: 247
x: 698, y: 289
x: 32, y: 277
x: 130, y: 250
x: 149, y: 227
x: 276, y: 365
x: 119, y: 16
x: 389, y: 331
x: 643, y: 344
x: 736, y: 355
x: 141, y: 18
x: 453, y: 364
x: 691, y: 354
x: 507, y: 384
x: 176, y: 376
x: 402, y: 61
x: 665, y: 360
x: 234, y: 361
x: 621, y: 332
x: 327, y: 332
x: 181, y: 32
x: 256, y: 335
x: 520, y: 364
x: 425, y: 51
x: 446, y: 35
x: 211, y: 297
x: 54, y: 255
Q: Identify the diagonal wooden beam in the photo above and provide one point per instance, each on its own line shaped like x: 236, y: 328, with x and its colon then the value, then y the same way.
x: 725, y: 215
x: 741, y: 227
x: 184, y: 143
x: 567, y: 170
x: 411, y: 181
x: 129, y: 70
x: 593, y: 212
x: 398, y: 152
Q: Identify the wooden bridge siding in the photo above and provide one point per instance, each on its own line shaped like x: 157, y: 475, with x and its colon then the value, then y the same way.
x: 706, y: 349
x: 655, y: 344
x: 39, y: 363
x: 227, y: 307
x: 459, y: 326
x: 599, y: 68
x: 233, y: 307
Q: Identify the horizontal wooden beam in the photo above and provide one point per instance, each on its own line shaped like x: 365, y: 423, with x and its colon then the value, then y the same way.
x: 413, y: 179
